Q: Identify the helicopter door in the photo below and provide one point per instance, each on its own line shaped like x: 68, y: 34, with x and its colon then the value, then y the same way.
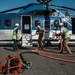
x: 73, y: 25
x: 26, y: 30
x: 47, y: 27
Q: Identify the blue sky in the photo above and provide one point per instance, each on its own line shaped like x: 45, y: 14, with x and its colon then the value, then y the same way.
x: 8, y: 4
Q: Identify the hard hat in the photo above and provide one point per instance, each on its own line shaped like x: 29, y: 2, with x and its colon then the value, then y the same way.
x: 61, y: 24
x: 16, y: 24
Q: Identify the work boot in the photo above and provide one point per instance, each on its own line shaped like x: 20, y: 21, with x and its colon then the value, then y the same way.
x: 15, y: 50
x: 61, y: 52
x: 69, y: 52
x: 41, y: 48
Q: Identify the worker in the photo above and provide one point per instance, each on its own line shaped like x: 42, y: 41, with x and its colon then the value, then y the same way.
x: 15, y: 37
x: 65, y: 37
x: 40, y: 32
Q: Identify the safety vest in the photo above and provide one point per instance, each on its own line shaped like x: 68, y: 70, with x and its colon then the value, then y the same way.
x: 65, y: 33
x: 14, y: 37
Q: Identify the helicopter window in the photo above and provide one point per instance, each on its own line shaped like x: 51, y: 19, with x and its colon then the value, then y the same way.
x: 56, y: 23
x: 47, y: 24
x: 43, y: 12
x: 37, y: 22
x: 7, y: 22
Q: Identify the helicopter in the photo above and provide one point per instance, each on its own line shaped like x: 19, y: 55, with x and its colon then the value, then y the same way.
x: 47, y: 15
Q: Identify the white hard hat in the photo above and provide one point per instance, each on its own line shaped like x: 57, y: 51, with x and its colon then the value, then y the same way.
x: 61, y: 24
x: 16, y: 24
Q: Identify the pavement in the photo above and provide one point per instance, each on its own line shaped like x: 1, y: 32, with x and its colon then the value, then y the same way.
x: 40, y: 64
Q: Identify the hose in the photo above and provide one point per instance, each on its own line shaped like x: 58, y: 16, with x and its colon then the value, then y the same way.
x: 47, y: 54
x: 50, y: 52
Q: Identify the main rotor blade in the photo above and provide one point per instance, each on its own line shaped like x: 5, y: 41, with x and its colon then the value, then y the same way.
x: 62, y: 7
x: 12, y: 9
x: 68, y: 8
x: 22, y: 7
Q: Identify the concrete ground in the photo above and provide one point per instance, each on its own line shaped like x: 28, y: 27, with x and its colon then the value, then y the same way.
x: 42, y: 65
